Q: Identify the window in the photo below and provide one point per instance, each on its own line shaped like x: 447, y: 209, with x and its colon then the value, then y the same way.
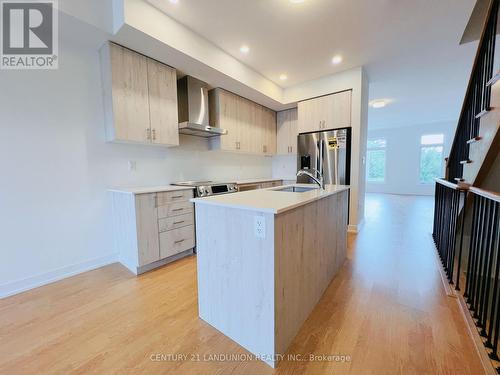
x: 431, y: 157
x: 375, y: 160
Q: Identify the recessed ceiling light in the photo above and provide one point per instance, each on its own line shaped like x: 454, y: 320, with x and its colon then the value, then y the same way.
x: 378, y: 103
x: 244, y: 49
x: 174, y: 1
x: 296, y: 1
x: 283, y: 77
x: 337, y: 59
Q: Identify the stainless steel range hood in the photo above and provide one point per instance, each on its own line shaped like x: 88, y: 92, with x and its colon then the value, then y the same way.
x: 192, y: 98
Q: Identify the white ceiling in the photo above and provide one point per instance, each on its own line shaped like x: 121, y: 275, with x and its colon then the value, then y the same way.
x: 409, y: 48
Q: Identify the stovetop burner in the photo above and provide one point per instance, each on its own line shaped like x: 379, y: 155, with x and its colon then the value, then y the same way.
x: 207, y: 188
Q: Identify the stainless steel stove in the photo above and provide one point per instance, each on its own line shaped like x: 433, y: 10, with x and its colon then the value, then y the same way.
x: 208, y: 188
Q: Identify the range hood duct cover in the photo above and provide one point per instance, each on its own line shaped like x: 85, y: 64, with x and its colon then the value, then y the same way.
x: 192, y: 98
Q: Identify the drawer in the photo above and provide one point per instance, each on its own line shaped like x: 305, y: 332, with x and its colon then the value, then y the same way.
x: 175, y: 222
x: 175, y: 209
x: 176, y: 241
x: 173, y: 196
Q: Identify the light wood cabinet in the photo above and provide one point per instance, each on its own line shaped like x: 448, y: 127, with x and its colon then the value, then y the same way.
x: 259, y: 185
x: 287, y: 132
x: 163, y: 113
x: 152, y: 229
x: 326, y: 112
x: 251, y: 127
x: 147, y: 229
x: 140, y: 98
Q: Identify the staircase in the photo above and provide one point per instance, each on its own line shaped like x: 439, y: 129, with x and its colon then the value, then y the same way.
x: 477, y: 139
x: 467, y: 203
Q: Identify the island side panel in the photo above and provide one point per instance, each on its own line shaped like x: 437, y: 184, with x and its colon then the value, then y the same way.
x: 236, y: 276
x: 310, y: 247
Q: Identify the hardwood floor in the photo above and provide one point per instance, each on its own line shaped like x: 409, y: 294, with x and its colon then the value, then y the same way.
x: 386, y: 310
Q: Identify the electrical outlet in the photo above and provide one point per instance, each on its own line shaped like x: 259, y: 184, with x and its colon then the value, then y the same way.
x: 259, y: 226
x: 132, y: 165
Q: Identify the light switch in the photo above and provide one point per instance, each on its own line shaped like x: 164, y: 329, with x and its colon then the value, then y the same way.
x: 132, y: 165
x: 259, y: 226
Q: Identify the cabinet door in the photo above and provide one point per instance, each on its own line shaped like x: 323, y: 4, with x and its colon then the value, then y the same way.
x: 340, y: 110
x: 129, y: 92
x: 287, y: 132
x: 283, y: 132
x: 293, y: 130
x: 147, y: 228
x: 310, y: 115
x: 243, y: 125
x: 253, y: 130
x: 271, y: 150
x: 269, y: 132
x: 228, y: 119
x: 162, y: 83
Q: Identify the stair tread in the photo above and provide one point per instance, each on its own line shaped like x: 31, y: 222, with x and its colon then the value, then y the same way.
x: 494, y: 79
x: 483, y: 112
x: 475, y: 139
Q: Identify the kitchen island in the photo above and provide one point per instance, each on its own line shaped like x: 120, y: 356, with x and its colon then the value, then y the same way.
x: 265, y: 257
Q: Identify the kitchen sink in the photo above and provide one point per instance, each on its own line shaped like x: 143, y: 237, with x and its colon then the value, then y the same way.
x: 296, y: 189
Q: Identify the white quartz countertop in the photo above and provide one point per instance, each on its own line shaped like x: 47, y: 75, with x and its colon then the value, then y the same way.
x: 149, y: 189
x: 257, y: 180
x: 270, y: 200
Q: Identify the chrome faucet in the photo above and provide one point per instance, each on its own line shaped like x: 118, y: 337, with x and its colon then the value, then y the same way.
x: 319, y: 180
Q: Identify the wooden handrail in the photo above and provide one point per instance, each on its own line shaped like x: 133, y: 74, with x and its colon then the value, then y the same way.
x: 485, y: 193
x: 469, y: 85
x: 463, y: 186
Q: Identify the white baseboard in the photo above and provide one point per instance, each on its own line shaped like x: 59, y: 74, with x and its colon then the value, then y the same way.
x: 32, y: 282
x: 352, y: 228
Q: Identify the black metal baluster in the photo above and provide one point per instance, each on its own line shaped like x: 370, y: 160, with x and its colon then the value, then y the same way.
x: 462, y: 230
x: 494, y: 316
x: 476, y: 256
x: 470, y: 262
x: 487, y: 271
x: 455, y: 206
x: 481, y: 259
x: 494, y: 354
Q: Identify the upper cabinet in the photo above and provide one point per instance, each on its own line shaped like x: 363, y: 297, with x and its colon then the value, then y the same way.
x: 287, y: 132
x: 251, y: 127
x: 140, y: 97
x: 326, y: 112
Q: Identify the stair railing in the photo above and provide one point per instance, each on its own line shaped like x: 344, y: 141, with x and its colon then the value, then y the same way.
x: 467, y: 239
x: 477, y: 98
x: 482, y: 289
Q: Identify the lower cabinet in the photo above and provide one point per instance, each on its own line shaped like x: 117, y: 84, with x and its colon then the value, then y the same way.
x: 260, y: 185
x: 176, y: 241
x: 152, y: 229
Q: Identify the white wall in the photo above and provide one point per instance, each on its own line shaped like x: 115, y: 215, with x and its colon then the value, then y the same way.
x: 403, y: 157
x: 56, y: 167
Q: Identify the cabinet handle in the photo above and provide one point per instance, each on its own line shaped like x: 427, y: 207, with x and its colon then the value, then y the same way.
x: 264, y: 149
x: 177, y: 196
x: 154, y: 134
x: 148, y: 134
x: 177, y: 209
x: 178, y: 222
x: 180, y: 241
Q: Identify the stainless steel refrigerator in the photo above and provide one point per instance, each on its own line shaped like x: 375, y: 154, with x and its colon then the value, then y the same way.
x: 328, y: 152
